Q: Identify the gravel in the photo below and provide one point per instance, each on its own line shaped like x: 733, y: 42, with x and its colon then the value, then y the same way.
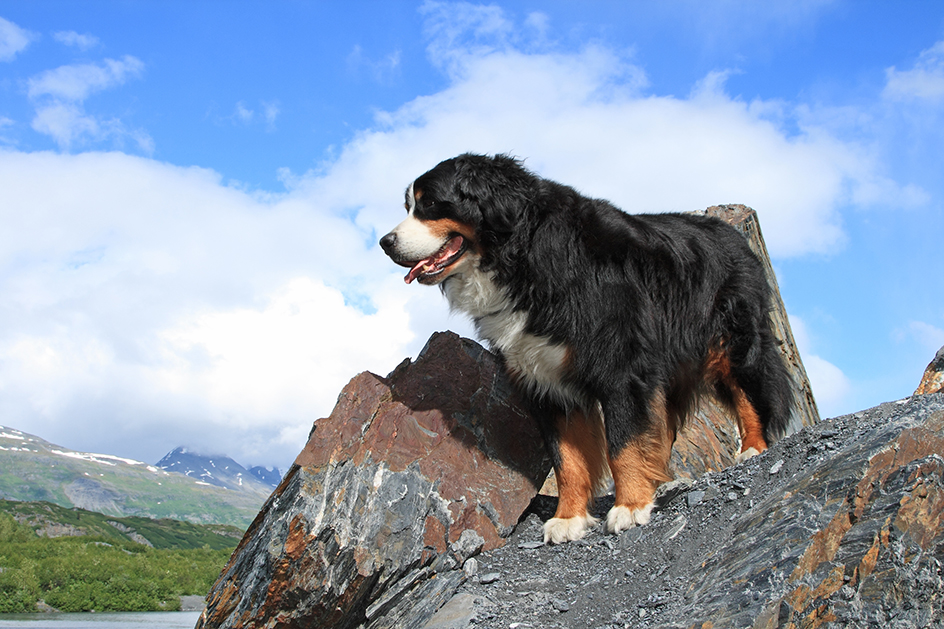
x: 636, y: 579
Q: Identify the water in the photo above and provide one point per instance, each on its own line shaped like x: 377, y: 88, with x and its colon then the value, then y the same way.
x: 103, y: 620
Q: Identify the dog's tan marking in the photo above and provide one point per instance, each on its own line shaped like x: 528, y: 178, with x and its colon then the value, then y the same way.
x: 752, y: 431
x: 444, y: 228
x: 581, y: 472
x: 641, y: 466
x: 718, y: 366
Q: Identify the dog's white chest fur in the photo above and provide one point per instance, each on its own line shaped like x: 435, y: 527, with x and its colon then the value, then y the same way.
x: 538, y: 363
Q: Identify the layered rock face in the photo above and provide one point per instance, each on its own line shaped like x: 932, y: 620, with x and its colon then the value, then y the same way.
x: 933, y: 379
x: 409, y: 476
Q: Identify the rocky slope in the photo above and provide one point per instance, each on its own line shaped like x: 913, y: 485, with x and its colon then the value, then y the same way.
x: 841, y: 524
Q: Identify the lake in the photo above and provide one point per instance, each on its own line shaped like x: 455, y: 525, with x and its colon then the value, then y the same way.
x: 103, y: 620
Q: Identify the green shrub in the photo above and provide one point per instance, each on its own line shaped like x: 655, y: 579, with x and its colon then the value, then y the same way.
x: 82, y: 573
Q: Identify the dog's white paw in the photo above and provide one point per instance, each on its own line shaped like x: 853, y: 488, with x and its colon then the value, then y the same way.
x: 621, y: 518
x: 750, y: 452
x: 560, y: 530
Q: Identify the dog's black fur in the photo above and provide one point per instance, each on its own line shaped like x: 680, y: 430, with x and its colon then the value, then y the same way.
x: 649, y: 309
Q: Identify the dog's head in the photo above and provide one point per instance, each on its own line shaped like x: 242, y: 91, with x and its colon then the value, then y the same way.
x: 456, y: 213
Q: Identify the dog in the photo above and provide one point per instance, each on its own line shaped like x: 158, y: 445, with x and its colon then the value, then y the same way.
x: 611, y: 324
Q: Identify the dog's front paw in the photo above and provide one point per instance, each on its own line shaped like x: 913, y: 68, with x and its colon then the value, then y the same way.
x: 621, y: 518
x: 750, y: 452
x: 560, y: 530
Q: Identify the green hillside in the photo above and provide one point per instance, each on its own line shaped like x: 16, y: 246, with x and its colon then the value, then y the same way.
x: 32, y: 469
x: 45, y: 519
x: 102, y: 573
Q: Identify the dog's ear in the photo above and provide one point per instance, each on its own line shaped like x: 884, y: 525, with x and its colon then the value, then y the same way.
x: 495, y: 188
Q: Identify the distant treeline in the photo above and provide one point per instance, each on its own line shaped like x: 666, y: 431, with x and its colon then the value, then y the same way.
x: 86, y: 573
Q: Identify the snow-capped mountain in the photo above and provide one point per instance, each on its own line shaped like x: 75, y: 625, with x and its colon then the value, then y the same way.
x: 220, y: 470
x: 269, y: 476
x: 33, y: 469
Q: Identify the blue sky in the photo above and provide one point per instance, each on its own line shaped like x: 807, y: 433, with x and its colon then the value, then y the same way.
x: 192, y: 191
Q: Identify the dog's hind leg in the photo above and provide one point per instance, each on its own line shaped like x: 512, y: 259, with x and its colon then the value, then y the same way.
x: 719, y: 370
x: 580, y: 469
x: 749, y: 424
x: 750, y: 376
x: 639, y: 467
x: 759, y: 394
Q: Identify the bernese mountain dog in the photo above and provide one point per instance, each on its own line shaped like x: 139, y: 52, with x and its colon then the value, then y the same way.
x: 611, y: 324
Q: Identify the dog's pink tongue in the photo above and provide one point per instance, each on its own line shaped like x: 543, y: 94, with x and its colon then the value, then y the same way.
x: 418, y: 269
x: 430, y: 264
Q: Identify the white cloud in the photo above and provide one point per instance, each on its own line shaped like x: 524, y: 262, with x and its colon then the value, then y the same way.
x: 930, y: 337
x: 152, y: 305
x: 924, y: 82
x: 270, y: 112
x: 831, y: 387
x: 381, y: 70
x: 66, y: 122
x: 284, y: 357
x: 242, y: 114
x: 138, y: 289
x: 77, y: 82
x: 456, y: 29
x: 583, y: 119
x: 59, y: 96
x: 13, y: 40
x: 77, y: 40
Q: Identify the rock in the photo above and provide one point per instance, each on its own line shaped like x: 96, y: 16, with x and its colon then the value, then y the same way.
x: 745, y: 220
x: 857, y: 536
x: 560, y: 605
x: 491, y: 577
x: 933, y: 379
x: 470, y: 567
x: 456, y: 614
x: 850, y: 537
x: 408, y: 477
x: 694, y: 498
x: 192, y: 603
x: 45, y: 608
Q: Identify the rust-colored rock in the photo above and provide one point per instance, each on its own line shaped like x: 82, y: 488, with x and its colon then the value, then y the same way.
x: 408, y: 477
x: 933, y: 379
x: 856, y: 537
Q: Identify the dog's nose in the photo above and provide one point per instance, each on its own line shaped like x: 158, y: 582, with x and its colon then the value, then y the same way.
x: 388, y: 242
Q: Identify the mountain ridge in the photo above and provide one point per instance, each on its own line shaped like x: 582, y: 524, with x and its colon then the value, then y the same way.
x: 218, y: 469
x: 33, y: 469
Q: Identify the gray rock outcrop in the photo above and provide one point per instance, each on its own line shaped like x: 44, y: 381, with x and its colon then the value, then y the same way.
x: 933, y: 379
x: 410, y: 476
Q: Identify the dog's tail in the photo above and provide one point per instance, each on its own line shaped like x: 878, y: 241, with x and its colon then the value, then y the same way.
x: 758, y: 367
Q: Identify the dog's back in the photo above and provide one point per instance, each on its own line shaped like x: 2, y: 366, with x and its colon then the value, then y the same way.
x: 611, y: 323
